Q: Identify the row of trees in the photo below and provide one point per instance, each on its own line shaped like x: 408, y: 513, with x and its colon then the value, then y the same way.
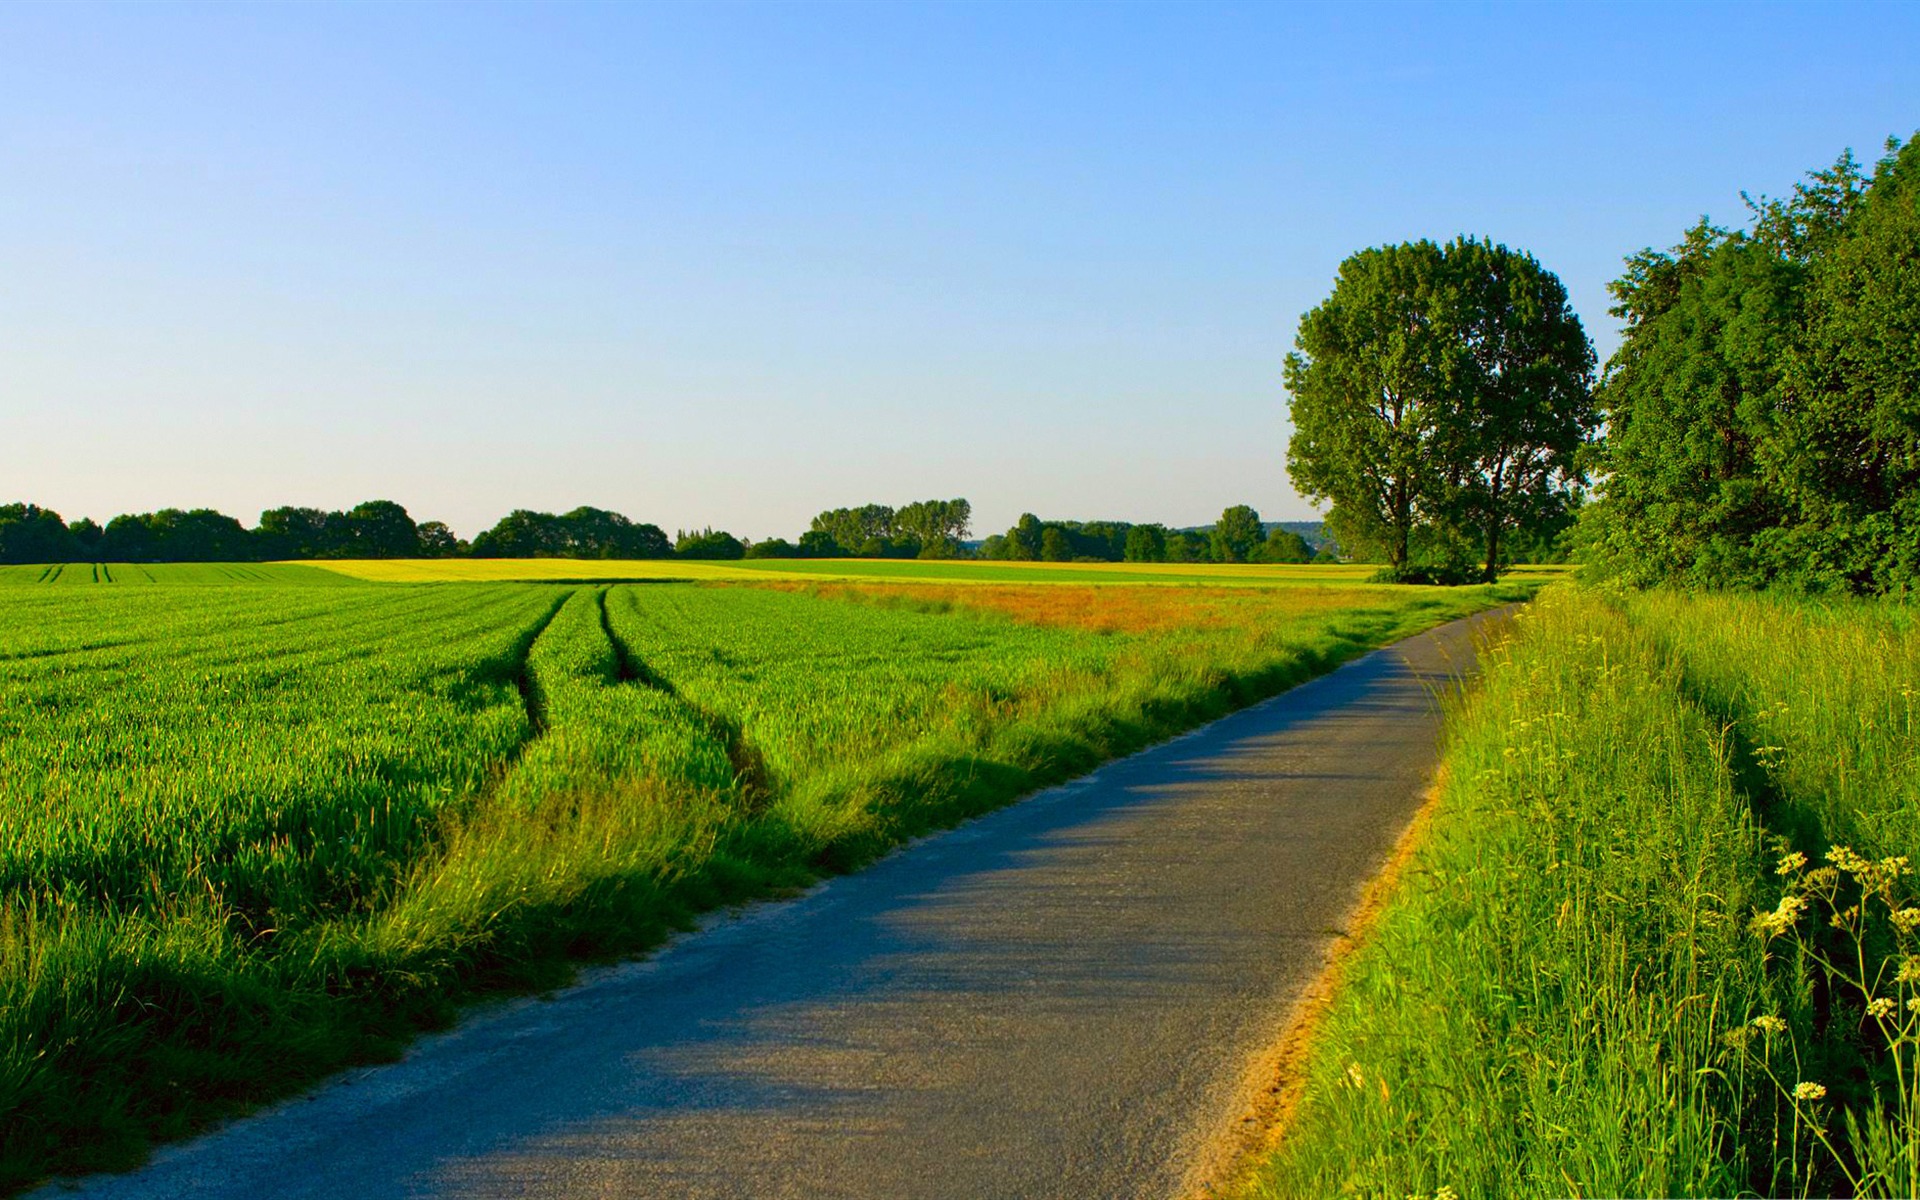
x: 376, y: 529
x: 1238, y: 537
x: 383, y: 529
x: 923, y: 529
x: 582, y: 533
x: 1764, y: 406
x: 1441, y: 398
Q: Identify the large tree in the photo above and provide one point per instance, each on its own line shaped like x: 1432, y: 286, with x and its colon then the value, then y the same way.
x: 1236, y: 535
x: 1527, y: 404
x: 1371, y: 382
x: 868, y: 528
x: 939, y: 526
x: 1439, y: 396
x: 381, y: 529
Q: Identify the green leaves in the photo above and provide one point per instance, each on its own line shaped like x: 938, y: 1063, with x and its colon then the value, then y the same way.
x: 1764, y: 409
x: 1439, y: 399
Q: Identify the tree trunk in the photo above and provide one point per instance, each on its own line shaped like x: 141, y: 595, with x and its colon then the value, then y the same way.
x: 1402, y: 526
x: 1497, y: 494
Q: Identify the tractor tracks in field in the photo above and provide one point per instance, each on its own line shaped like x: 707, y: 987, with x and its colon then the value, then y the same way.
x: 752, y: 779
x: 750, y: 775
x: 523, y: 678
x: 516, y: 667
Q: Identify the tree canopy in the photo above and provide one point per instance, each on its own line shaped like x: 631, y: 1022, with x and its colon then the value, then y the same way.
x: 708, y: 543
x: 1763, y: 410
x: 31, y: 534
x: 1239, y: 536
x: 582, y: 533
x: 923, y: 529
x: 1440, y: 397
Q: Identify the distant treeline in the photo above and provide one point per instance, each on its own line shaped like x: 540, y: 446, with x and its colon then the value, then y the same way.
x: 923, y: 529
x: 1238, y: 537
x: 383, y: 529
x: 376, y: 529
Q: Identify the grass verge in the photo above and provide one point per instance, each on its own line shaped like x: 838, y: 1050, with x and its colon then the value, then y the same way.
x: 1618, y: 966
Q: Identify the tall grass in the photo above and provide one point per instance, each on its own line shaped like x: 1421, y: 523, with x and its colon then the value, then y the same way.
x: 1821, y: 698
x: 1825, y: 695
x: 1619, y: 967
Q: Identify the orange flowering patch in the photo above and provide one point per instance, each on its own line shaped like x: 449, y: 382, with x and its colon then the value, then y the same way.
x: 1107, y: 609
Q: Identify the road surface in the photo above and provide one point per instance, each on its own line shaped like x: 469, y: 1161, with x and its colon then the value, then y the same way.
x: 1058, y: 999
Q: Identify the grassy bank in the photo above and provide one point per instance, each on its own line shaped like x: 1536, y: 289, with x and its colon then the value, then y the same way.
x: 1657, y: 942
x: 260, y: 833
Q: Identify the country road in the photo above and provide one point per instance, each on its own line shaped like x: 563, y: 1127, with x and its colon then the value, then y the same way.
x: 1058, y: 999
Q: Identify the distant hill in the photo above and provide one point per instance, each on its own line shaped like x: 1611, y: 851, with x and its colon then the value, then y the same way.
x: 1314, y: 531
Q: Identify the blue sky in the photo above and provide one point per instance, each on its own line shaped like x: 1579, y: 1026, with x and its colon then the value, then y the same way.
x: 731, y: 264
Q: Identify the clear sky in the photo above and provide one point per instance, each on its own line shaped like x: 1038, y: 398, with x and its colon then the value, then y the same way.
x: 732, y: 264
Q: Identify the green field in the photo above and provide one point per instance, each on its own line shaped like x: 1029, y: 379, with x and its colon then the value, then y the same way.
x: 261, y: 830
x: 1661, y: 939
x: 471, y: 570
x: 67, y: 574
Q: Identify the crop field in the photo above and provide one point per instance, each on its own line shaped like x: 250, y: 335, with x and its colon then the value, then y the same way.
x: 494, y: 570
x: 256, y: 825
x: 73, y: 573
x: 1662, y: 937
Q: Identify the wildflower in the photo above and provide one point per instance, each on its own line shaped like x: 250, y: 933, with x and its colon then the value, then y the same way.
x: 1809, y: 1091
x: 1443, y: 1192
x: 1770, y: 1024
x: 1913, y: 1005
x: 1789, y: 863
x: 1904, y: 919
x: 1355, y: 1075
x: 1880, y: 1007
x: 1844, y: 858
x: 1909, y: 971
x: 1781, y: 919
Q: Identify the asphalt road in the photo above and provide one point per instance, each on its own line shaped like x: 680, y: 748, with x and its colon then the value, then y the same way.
x: 1058, y: 999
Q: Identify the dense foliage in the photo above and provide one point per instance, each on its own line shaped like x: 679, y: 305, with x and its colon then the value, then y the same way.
x: 582, y: 533
x: 375, y: 529
x: 1439, y: 398
x: 708, y: 544
x: 1764, y: 408
x: 923, y: 529
x: 1239, y: 536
